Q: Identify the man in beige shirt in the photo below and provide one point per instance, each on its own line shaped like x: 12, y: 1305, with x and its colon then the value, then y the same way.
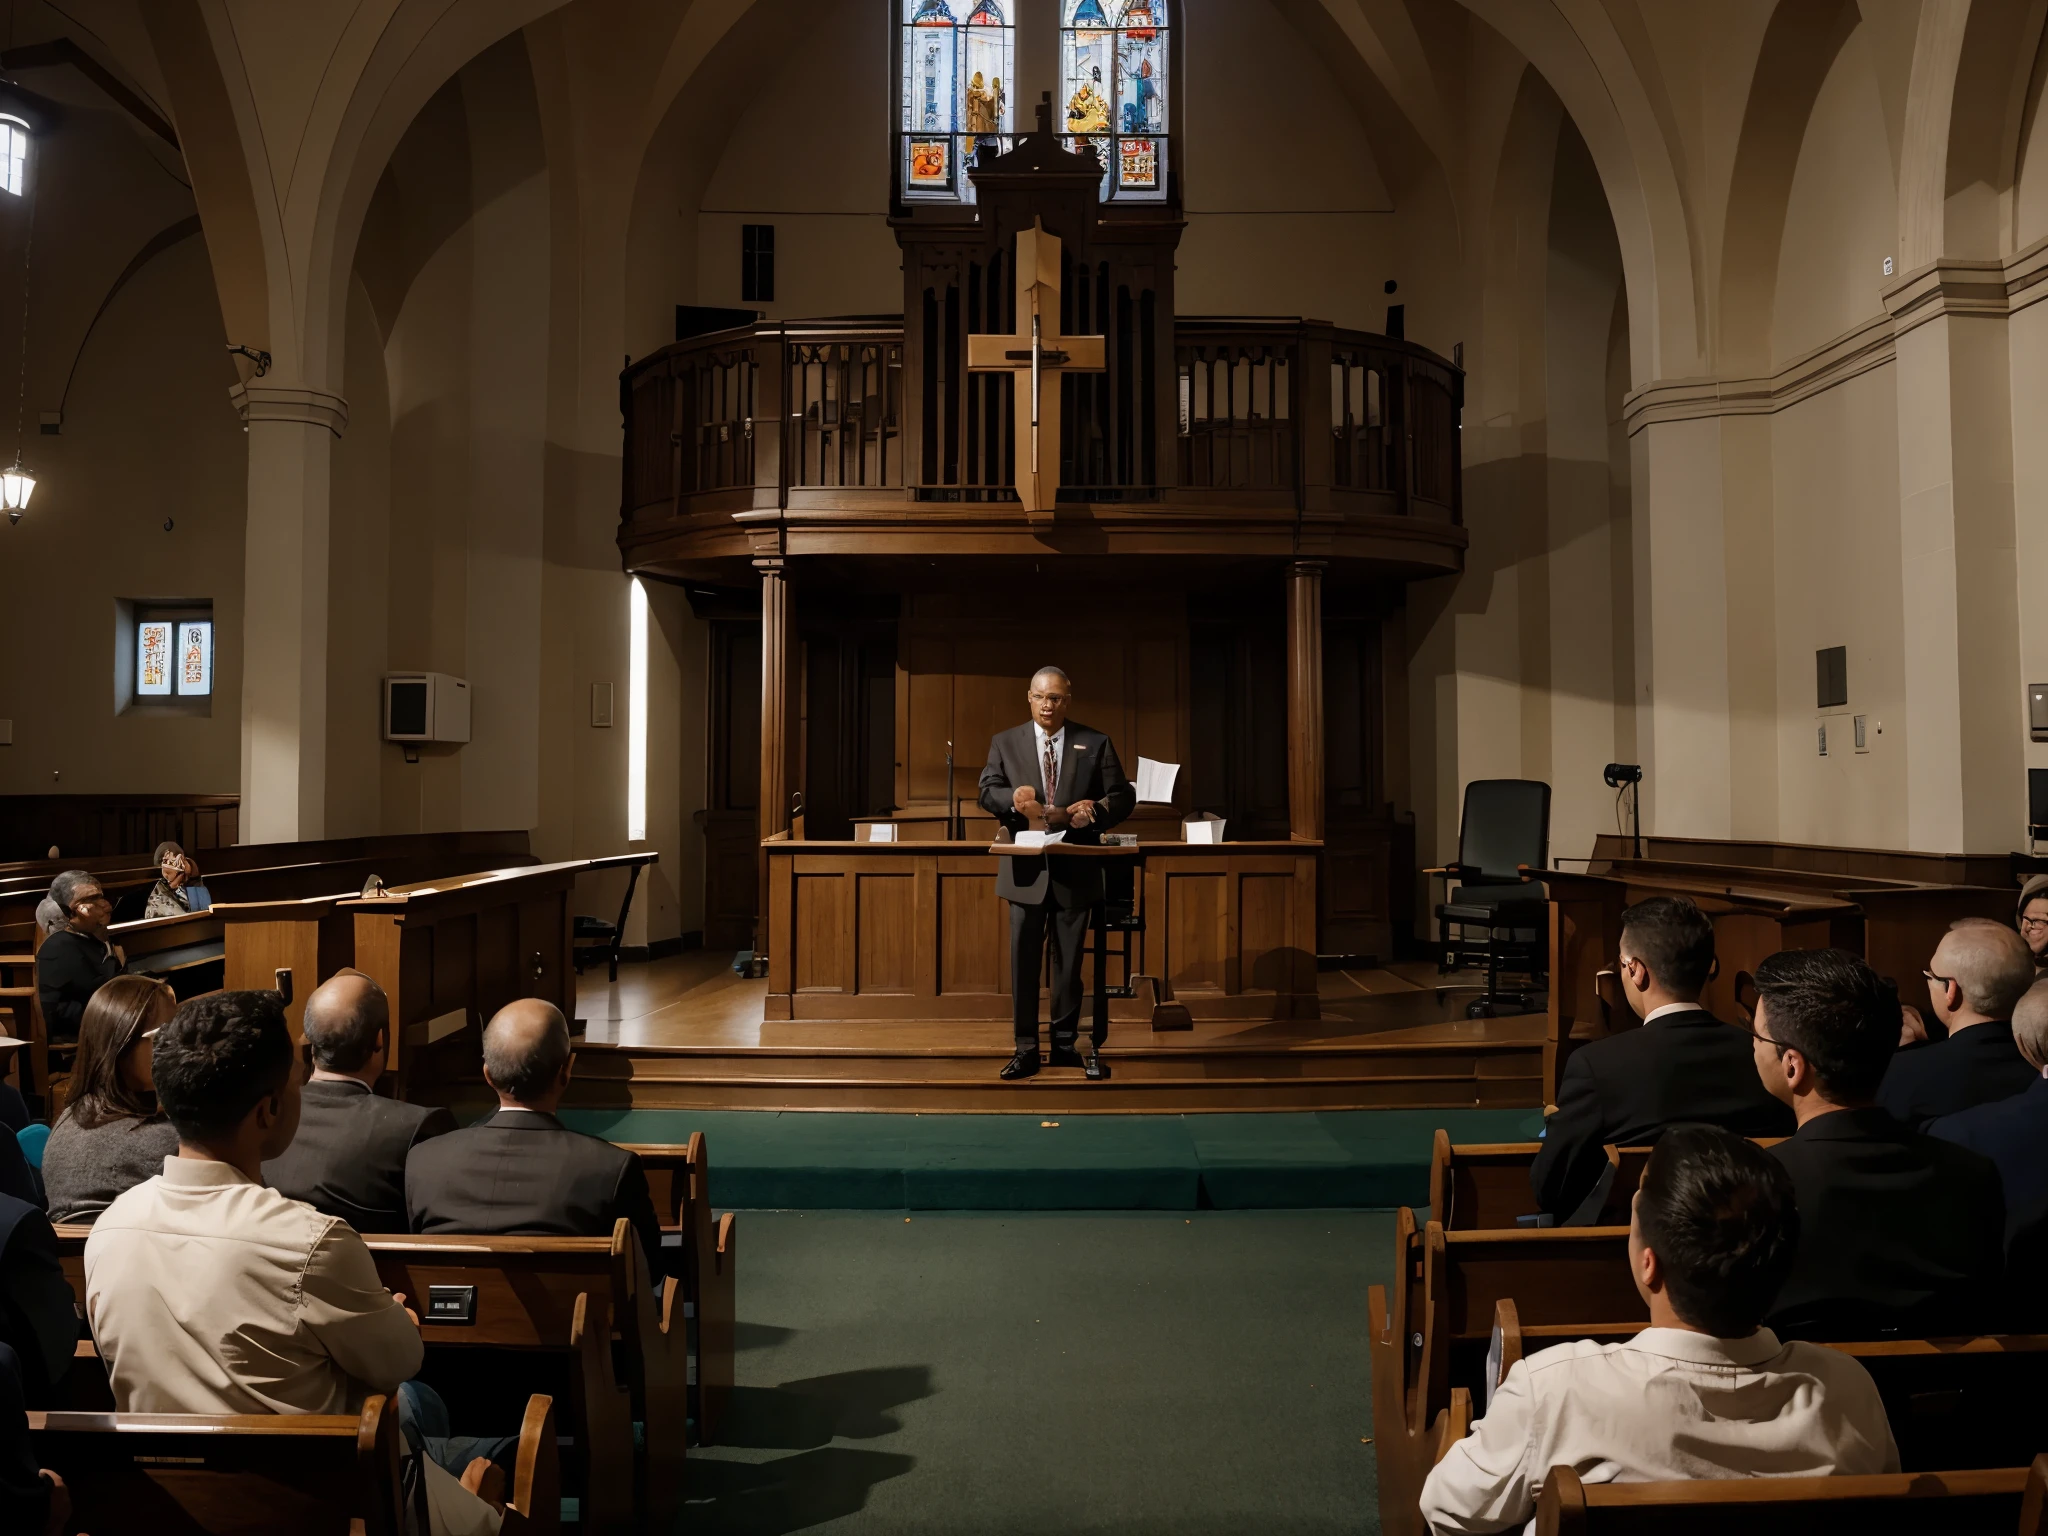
x: 1704, y: 1391
x: 210, y: 1293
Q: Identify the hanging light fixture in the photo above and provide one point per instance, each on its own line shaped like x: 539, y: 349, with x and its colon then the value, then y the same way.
x: 16, y: 483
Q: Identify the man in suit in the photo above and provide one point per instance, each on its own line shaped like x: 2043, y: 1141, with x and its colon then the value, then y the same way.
x: 1899, y: 1232
x: 2013, y: 1133
x: 1054, y: 775
x: 348, y: 1159
x: 1682, y: 1065
x: 1979, y: 971
x: 520, y: 1171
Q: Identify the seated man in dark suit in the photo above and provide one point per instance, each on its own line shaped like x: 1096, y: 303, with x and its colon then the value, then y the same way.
x: 1682, y: 1065
x: 1898, y: 1232
x: 520, y: 1171
x: 1979, y: 970
x: 348, y: 1159
x: 2013, y: 1133
x: 38, y: 1334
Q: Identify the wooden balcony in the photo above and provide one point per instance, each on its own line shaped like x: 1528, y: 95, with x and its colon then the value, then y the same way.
x: 1289, y: 438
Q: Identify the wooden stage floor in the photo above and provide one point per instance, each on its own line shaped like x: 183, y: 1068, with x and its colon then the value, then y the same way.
x: 684, y: 1032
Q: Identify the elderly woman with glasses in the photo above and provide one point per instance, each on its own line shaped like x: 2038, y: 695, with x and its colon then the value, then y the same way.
x: 169, y: 897
x: 77, y: 958
x: 111, y: 1135
x: 2033, y: 919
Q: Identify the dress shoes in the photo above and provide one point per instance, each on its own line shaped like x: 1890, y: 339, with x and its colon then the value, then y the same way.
x: 1064, y: 1056
x: 1097, y: 1068
x: 1023, y: 1064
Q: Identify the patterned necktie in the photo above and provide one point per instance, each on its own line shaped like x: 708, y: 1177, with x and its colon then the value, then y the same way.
x: 1052, y: 774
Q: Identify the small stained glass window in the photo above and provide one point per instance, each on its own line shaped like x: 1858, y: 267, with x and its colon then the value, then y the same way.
x: 1113, y: 72
x: 153, y: 658
x: 173, y: 651
x: 13, y: 155
x: 955, y: 85
x: 195, y: 657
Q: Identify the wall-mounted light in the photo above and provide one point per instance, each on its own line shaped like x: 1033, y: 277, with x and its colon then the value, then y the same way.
x: 16, y: 486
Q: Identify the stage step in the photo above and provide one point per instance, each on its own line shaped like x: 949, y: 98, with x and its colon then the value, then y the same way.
x: 796, y: 1161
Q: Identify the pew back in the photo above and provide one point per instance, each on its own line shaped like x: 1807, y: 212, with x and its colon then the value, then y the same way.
x: 679, y: 1179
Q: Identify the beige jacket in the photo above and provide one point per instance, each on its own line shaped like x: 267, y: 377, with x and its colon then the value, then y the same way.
x: 1667, y: 1404
x: 209, y: 1293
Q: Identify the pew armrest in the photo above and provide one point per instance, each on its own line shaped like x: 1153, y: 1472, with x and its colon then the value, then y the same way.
x: 1453, y: 1424
x: 535, y: 1505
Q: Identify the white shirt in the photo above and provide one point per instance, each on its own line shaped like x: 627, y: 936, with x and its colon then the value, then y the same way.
x: 1058, y: 739
x: 1657, y: 1013
x: 1668, y: 1404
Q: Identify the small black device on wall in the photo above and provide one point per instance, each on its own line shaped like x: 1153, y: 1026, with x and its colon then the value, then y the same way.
x: 2037, y: 802
x: 1831, y: 671
x: 2037, y: 711
x: 757, y: 263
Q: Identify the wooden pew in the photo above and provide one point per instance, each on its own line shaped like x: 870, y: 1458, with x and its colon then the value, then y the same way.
x: 1902, y: 1504
x: 569, y: 1297
x: 679, y: 1178
x: 1484, y: 1186
x: 134, y: 1474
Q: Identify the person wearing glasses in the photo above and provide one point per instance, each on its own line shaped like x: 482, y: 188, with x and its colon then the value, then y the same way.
x: 1979, y: 971
x: 171, y: 896
x: 111, y: 1135
x: 1052, y: 775
x: 2033, y: 919
x: 1682, y: 1065
x: 77, y: 958
x: 1898, y: 1232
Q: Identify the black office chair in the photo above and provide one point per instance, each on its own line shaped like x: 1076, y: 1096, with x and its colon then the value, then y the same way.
x: 1498, y: 916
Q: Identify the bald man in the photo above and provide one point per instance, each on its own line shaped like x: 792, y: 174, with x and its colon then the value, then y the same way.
x: 348, y: 1159
x: 2013, y: 1133
x: 520, y: 1172
x: 1980, y: 970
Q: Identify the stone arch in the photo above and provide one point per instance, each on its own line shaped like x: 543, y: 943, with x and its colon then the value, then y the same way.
x: 1800, y: 45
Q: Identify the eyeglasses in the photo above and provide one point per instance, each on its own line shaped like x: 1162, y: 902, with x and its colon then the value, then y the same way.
x: 1049, y: 698
x: 1779, y: 1045
x: 2033, y: 924
x: 1944, y: 981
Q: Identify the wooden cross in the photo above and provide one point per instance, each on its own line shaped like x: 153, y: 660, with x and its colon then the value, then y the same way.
x: 1036, y: 350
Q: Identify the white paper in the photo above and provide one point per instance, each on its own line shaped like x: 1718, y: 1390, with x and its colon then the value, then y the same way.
x: 1203, y: 831
x: 1155, y: 781
x: 881, y: 831
x: 1039, y: 839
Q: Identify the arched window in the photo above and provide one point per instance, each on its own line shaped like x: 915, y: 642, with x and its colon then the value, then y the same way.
x: 13, y: 155
x: 1113, y: 74
x: 956, y: 86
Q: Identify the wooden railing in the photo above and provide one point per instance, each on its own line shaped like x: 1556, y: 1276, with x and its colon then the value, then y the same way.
x: 815, y: 413
x: 87, y: 826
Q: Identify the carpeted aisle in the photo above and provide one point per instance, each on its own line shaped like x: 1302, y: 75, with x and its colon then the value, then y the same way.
x: 964, y: 1372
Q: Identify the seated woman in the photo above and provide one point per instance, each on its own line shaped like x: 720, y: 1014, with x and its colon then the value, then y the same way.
x: 77, y: 958
x: 111, y: 1135
x: 168, y: 898
x: 2034, y: 919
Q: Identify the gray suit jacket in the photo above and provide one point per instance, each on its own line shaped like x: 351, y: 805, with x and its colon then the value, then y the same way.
x: 1089, y: 770
x: 348, y: 1159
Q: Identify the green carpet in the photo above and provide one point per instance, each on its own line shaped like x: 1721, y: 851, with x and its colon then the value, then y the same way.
x: 993, y: 1373
x: 764, y: 1160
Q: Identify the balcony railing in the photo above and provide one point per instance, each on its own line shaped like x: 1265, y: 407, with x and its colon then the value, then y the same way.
x: 817, y: 413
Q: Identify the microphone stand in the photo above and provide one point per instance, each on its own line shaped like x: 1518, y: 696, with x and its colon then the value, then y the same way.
x: 952, y: 798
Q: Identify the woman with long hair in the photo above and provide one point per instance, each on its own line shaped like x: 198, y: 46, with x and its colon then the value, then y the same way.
x: 111, y: 1135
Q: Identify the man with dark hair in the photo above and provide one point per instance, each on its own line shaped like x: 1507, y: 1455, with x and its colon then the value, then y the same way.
x: 349, y: 1156
x: 520, y: 1171
x: 1705, y: 1390
x: 1898, y: 1231
x: 209, y: 1292
x: 1980, y: 970
x: 1683, y: 1064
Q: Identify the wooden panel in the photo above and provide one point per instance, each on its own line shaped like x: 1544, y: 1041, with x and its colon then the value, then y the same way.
x: 974, y: 937
x: 823, y: 921
x: 1267, y: 959
x: 885, y: 911
x: 1198, y: 949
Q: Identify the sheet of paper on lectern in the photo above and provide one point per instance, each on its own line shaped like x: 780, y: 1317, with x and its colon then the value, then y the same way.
x: 881, y: 831
x: 1155, y: 781
x: 1039, y: 839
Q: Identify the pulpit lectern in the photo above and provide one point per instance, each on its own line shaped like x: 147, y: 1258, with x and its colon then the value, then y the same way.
x: 1116, y: 913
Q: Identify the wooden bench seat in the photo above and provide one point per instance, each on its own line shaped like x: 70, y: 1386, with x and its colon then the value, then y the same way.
x: 679, y: 1178
x: 588, y: 1302
x: 1904, y: 1504
x: 1484, y: 1186
x: 133, y: 1474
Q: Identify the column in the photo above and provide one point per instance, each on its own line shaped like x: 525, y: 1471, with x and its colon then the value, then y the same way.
x: 778, y: 735
x: 1305, y: 700
x: 1964, y: 722
x: 284, y: 610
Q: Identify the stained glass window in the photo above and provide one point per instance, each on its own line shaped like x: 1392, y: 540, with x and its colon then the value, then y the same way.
x: 173, y: 652
x: 1113, y: 72
x: 13, y: 155
x: 153, y: 658
x: 956, y: 86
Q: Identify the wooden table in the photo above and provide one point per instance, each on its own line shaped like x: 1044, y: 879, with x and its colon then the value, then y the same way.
x: 914, y: 930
